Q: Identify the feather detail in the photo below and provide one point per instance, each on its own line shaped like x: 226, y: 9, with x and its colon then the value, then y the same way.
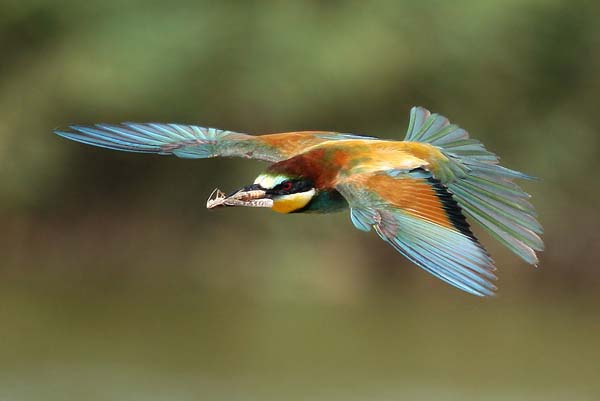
x: 194, y: 142
x: 188, y: 141
x: 419, y: 218
x: 484, y: 189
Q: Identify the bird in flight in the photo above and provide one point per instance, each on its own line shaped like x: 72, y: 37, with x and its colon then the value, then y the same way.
x: 414, y: 193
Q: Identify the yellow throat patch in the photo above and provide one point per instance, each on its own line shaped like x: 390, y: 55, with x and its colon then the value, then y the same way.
x: 292, y: 202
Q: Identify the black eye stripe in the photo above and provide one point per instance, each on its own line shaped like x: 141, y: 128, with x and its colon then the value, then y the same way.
x: 297, y: 186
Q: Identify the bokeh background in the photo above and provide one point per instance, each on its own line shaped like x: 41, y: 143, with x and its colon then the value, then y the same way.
x: 117, y: 284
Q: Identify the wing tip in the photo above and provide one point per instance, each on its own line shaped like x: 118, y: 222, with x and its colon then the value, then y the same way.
x: 60, y: 132
x: 98, y: 135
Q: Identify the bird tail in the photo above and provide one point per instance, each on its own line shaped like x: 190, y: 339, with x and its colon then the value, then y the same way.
x: 485, y: 190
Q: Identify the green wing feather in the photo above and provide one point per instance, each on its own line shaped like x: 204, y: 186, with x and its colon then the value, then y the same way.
x: 452, y: 254
x: 484, y: 189
x: 194, y: 142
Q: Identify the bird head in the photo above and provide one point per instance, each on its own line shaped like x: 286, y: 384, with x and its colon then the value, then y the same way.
x: 282, y: 193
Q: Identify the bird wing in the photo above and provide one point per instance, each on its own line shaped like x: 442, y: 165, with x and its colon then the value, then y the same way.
x: 194, y: 142
x: 484, y: 189
x: 418, y: 217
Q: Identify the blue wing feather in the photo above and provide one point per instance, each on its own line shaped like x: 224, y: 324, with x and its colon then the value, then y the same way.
x: 452, y: 254
x: 187, y: 140
x: 482, y: 187
x: 194, y: 142
x: 426, y: 242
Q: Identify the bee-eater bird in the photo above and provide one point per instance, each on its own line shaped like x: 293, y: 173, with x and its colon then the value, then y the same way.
x: 414, y: 193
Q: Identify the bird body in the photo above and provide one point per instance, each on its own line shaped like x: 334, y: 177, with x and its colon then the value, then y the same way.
x: 414, y: 193
x: 331, y: 161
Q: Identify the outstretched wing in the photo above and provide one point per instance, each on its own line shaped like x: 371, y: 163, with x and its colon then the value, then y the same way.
x: 418, y: 217
x: 484, y: 189
x: 190, y: 141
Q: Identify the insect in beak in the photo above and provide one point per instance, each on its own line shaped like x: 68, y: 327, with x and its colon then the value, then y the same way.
x: 252, y: 196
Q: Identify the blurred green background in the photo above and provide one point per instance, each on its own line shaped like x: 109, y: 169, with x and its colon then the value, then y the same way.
x: 117, y: 284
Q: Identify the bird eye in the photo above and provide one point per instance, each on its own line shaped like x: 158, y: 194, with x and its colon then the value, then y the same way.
x: 286, y: 186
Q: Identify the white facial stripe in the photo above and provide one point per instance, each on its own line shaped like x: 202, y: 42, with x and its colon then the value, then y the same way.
x: 270, y: 181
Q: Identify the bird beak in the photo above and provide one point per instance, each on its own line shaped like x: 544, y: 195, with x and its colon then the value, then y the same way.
x: 251, y: 196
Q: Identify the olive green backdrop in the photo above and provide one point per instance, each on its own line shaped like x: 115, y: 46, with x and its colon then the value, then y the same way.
x: 117, y: 284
